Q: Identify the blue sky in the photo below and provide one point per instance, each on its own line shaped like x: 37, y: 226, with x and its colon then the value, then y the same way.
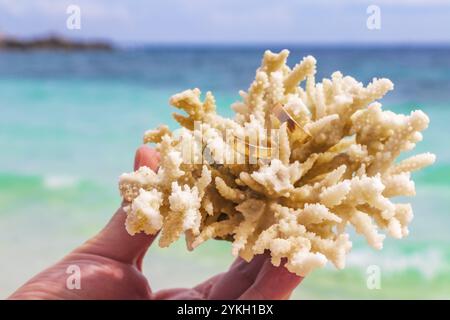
x: 232, y: 21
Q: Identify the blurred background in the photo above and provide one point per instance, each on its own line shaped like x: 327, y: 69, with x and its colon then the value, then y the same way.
x: 81, y: 80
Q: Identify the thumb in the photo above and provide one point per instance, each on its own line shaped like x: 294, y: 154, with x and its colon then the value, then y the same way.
x: 113, y: 241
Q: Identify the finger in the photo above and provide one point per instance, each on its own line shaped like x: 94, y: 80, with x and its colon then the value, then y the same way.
x: 146, y: 156
x: 198, y: 292
x: 204, y: 288
x: 240, y: 276
x: 114, y: 241
x: 177, y: 294
x: 272, y: 283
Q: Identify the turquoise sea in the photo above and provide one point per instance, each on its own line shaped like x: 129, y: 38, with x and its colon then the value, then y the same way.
x: 70, y: 122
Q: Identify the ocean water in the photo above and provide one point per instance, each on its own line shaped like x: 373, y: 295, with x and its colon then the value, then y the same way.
x: 70, y: 122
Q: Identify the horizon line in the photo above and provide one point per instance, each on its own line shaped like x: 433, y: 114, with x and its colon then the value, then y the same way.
x: 136, y: 44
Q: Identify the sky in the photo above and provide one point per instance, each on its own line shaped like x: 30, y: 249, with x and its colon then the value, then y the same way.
x: 232, y: 21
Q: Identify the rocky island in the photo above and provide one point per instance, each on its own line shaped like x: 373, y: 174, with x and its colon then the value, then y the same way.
x: 51, y: 42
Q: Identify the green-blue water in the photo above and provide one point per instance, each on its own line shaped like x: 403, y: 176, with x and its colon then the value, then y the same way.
x: 70, y: 122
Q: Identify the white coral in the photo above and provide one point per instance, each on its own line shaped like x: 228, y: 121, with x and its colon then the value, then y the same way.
x: 143, y: 213
x: 185, y: 202
x: 333, y: 164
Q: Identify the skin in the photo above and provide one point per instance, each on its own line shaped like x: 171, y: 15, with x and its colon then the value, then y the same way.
x: 111, y: 268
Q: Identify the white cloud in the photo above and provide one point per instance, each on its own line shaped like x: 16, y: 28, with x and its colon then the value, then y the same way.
x: 232, y: 20
x: 262, y: 18
x: 404, y: 3
x: 57, y: 9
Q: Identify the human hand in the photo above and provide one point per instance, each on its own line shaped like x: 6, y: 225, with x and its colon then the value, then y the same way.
x: 111, y: 268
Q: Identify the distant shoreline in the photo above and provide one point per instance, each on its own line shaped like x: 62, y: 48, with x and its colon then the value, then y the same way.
x: 56, y: 42
x: 52, y: 43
